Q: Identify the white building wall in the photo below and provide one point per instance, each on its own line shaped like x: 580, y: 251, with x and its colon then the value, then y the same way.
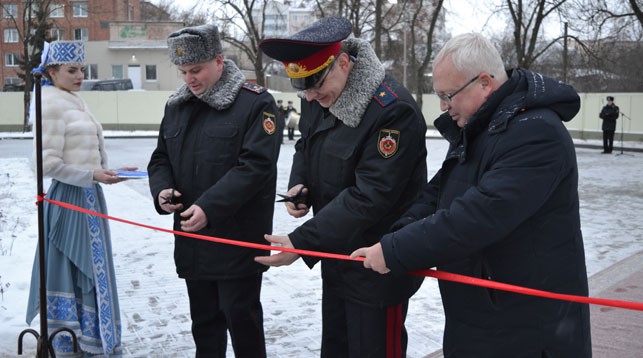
x: 129, y: 110
x: 103, y: 55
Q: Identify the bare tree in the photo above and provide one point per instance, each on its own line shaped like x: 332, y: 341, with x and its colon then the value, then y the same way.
x: 601, y: 12
x: 168, y: 10
x: 377, y: 29
x: 241, y: 24
x: 411, y: 29
x: 160, y: 12
x: 608, y: 18
x: 423, y: 58
x: 362, y: 14
x: 527, y: 18
x: 32, y: 25
x: 637, y: 8
x: 612, y: 32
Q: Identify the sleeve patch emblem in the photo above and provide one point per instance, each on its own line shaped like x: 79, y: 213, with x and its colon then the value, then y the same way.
x: 269, y: 125
x: 388, y: 142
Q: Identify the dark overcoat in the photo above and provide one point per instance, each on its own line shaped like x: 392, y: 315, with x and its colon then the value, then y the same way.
x: 361, y: 175
x: 609, y: 115
x: 220, y: 151
x: 505, y: 207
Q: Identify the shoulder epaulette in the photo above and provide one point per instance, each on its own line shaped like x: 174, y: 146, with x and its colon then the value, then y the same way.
x: 384, y: 95
x: 253, y: 87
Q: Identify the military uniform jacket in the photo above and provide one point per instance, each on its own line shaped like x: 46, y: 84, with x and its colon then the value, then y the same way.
x: 220, y: 151
x: 362, y: 172
x: 505, y: 207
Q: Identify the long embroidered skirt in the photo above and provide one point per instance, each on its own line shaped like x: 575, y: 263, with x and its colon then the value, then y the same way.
x: 81, y: 287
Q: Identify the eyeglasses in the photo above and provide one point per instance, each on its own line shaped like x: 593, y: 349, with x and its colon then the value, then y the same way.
x: 448, y: 97
x: 313, y: 82
x: 319, y: 84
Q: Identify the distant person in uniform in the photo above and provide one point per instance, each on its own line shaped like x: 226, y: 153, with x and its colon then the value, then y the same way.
x: 214, y: 169
x: 292, y: 121
x: 359, y: 163
x: 609, y: 114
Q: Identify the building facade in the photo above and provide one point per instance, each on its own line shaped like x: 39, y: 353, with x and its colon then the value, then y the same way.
x: 118, y: 43
x: 283, y: 18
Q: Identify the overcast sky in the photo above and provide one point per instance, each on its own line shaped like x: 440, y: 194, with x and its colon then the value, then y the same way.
x: 471, y: 16
x: 462, y: 15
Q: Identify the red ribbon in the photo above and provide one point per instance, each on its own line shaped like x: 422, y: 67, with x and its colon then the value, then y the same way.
x: 441, y: 275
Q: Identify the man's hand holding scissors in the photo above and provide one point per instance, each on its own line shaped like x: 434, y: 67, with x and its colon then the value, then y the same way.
x: 170, y: 200
x: 295, y: 201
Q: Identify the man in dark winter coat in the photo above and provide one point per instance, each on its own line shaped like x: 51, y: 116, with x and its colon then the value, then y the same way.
x: 503, y: 207
x: 359, y: 163
x: 291, y: 123
x: 609, y: 114
x: 214, y: 168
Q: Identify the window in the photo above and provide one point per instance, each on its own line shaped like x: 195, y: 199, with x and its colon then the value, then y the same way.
x: 33, y: 9
x: 12, y: 81
x: 81, y: 34
x: 80, y: 8
x: 91, y: 72
x: 150, y: 72
x: 10, y: 35
x: 10, y: 10
x: 57, y: 34
x: 56, y: 10
x: 117, y: 71
x: 11, y: 59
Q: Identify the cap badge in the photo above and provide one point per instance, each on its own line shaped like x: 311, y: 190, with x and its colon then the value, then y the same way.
x: 179, y: 51
x: 388, y: 140
x: 293, y: 67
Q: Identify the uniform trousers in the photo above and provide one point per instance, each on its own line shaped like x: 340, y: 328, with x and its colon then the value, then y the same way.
x: 355, y: 330
x: 608, y: 141
x: 227, y: 305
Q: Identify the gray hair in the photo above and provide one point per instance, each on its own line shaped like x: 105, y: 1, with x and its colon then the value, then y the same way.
x: 472, y: 54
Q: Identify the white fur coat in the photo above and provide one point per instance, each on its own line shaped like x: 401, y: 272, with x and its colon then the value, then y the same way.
x: 72, y: 139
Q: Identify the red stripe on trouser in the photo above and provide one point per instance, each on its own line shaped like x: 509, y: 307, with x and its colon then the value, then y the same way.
x: 394, y: 332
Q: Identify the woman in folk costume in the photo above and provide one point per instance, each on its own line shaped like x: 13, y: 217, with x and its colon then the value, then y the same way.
x: 81, y: 286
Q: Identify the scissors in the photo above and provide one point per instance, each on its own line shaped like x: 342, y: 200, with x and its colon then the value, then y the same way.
x: 172, y: 200
x: 296, y: 199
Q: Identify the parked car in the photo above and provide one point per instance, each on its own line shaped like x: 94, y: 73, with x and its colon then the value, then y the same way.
x: 11, y: 87
x: 107, y: 85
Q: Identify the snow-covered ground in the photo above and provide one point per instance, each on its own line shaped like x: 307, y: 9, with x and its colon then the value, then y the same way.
x: 154, y: 306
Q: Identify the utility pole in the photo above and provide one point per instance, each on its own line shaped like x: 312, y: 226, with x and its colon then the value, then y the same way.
x: 404, y: 61
x: 565, y: 55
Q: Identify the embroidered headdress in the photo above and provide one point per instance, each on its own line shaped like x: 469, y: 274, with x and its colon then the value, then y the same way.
x: 63, y: 53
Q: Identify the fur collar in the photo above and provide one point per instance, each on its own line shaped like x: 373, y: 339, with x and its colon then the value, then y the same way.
x: 57, y: 100
x: 365, y: 77
x: 221, y: 95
